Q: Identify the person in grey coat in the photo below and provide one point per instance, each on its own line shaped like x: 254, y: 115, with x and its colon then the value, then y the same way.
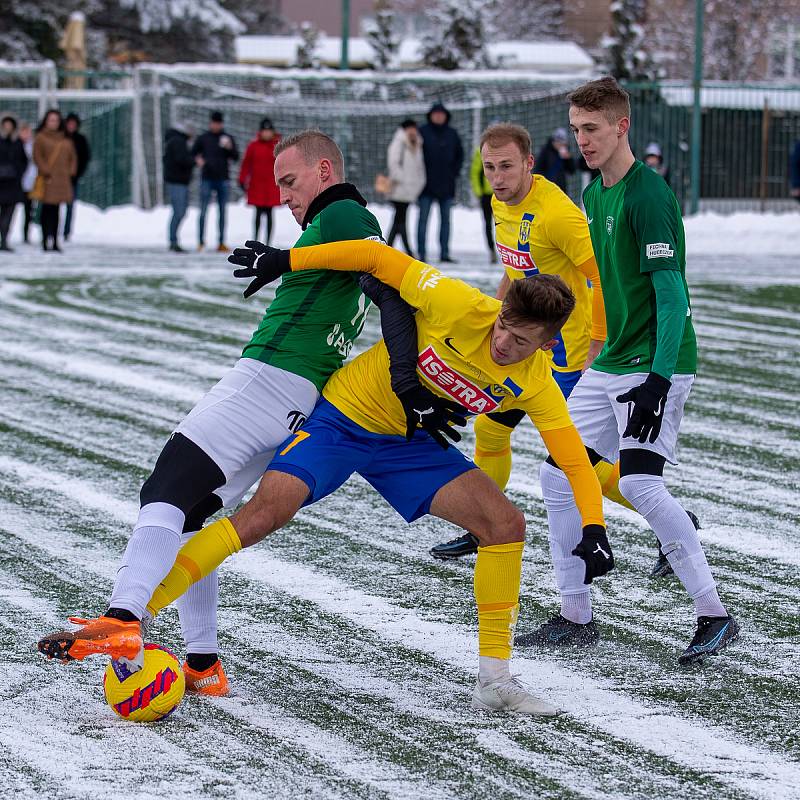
x: 407, y: 174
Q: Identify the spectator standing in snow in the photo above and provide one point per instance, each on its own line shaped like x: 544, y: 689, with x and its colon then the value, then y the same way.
x: 72, y: 125
x: 654, y: 158
x: 406, y: 165
x: 444, y: 156
x: 482, y: 189
x: 213, y: 151
x: 178, y: 166
x: 794, y: 171
x: 257, y: 176
x: 12, y: 167
x: 28, y: 179
x: 555, y: 161
x: 57, y: 163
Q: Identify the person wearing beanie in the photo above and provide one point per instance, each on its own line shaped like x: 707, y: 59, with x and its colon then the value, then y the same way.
x: 213, y: 151
x: 654, y: 159
x: 555, y: 161
x: 72, y: 125
x: 444, y: 156
x: 178, y: 167
x: 257, y: 176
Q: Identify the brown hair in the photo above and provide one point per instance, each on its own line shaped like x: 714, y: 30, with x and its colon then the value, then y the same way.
x: 543, y: 300
x: 504, y: 132
x: 313, y: 146
x: 604, y: 95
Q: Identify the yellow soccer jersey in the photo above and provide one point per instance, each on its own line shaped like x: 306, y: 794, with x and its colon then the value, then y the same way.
x: 548, y: 233
x: 453, y: 334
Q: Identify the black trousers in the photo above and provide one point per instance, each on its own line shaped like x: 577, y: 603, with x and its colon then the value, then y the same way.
x: 488, y: 220
x: 265, y: 211
x: 6, y: 212
x: 49, y: 223
x: 399, y: 225
x: 26, y: 223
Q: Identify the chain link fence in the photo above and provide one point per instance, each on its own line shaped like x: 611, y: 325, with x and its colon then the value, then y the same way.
x: 747, y: 130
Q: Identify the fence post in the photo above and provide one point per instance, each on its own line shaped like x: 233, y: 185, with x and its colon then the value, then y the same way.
x: 156, y: 89
x: 697, y: 84
x: 765, y: 120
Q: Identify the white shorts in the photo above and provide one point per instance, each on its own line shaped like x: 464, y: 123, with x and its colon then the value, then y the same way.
x: 601, y: 420
x: 243, y: 418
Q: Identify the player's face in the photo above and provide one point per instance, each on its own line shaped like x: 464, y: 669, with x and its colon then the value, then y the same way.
x: 299, y: 183
x: 597, y: 138
x: 512, y: 343
x: 508, y: 172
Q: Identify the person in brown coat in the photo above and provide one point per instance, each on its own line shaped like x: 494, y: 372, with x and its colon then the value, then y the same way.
x: 57, y: 163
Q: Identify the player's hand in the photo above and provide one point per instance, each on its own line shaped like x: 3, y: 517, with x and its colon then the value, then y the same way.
x: 595, y: 552
x: 647, y: 413
x: 262, y: 263
x: 433, y: 414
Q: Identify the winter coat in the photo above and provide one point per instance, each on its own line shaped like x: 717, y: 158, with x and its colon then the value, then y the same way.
x: 477, y: 178
x: 550, y: 164
x: 406, y: 165
x: 257, y: 173
x: 444, y: 157
x: 83, y: 153
x: 215, y: 156
x: 178, y: 161
x: 794, y: 167
x: 12, y: 167
x: 56, y: 147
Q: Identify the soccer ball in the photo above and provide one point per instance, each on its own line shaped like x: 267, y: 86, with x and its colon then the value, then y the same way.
x: 149, y: 694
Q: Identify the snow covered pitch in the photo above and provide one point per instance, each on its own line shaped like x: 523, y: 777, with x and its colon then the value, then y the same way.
x: 351, y: 652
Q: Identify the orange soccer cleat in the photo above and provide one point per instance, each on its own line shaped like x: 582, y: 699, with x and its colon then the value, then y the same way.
x: 104, y: 635
x: 211, y: 682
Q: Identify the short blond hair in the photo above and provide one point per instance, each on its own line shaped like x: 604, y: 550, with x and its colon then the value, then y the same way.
x: 504, y: 132
x: 314, y: 145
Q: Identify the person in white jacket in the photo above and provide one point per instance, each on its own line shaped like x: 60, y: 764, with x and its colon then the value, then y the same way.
x: 29, y: 178
x: 407, y: 174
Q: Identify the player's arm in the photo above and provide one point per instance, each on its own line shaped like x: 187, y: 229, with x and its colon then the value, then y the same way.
x: 597, y: 334
x: 502, y: 289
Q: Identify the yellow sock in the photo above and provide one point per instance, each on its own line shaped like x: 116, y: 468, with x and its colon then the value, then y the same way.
x: 493, y: 449
x: 497, y: 574
x: 608, y: 475
x: 199, y: 557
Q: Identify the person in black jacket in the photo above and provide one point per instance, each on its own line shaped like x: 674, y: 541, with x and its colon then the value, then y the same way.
x: 13, y: 162
x: 213, y: 151
x: 444, y: 155
x: 555, y: 161
x: 178, y: 166
x: 72, y: 125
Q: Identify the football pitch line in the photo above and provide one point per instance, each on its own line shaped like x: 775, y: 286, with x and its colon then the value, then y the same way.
x: 352, y: 654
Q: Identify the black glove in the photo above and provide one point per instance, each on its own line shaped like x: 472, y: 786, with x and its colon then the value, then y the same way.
x: 433, y: 414
x: 595, y: 551
x: 262, y: 263
x: 649, y: 399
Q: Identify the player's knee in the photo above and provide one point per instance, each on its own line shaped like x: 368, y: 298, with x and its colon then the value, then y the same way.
x: 501, y: 524
x: 643, y: 492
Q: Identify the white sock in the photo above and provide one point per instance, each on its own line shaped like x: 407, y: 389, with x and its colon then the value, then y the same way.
x: 565, y: 531
x: 492, y: 669
x: 678, y: 537
x: 149, y: 556
x: 197, y: 609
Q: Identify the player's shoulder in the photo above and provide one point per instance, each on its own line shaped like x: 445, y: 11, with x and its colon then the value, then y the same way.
x: 532, y: 375
x: 647, y: 191
x: 347, y: 219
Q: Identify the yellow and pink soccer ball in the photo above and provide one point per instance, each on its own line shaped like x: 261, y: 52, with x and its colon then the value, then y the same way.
x: 149, y: 694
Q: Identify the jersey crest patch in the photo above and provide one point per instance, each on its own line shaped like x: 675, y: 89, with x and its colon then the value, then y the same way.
x: 609, y: 225
x: 524, y: 231
x: 437, y: 372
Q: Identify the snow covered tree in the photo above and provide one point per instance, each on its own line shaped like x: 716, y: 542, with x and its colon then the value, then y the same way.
x: 306, y: 57
x: 522, y: 19
x: 626, y: 56
x: 382, y: 36
x: 459, y: 34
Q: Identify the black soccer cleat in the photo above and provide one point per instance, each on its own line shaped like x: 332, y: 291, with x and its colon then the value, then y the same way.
x: 662, y: 568
x: 462, y: 546
x: 560, y: 632
x: 712, y: 635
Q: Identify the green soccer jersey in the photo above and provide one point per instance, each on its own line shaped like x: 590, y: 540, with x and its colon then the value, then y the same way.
x: 636, y: 229
x: 309, y: 327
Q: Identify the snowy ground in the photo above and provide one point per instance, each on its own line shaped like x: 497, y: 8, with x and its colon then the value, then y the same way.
x: 351, y: 652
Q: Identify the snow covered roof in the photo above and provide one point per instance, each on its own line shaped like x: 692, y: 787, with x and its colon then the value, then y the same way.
x: 544, y: 56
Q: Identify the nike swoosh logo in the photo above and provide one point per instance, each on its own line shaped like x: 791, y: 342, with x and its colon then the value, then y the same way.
x: 590, y: 220
x: 449, y: 342
x: 497, y: 223
x: 555, y: 636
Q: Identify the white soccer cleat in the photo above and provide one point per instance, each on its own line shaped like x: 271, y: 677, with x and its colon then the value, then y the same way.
x: 508, y: 694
